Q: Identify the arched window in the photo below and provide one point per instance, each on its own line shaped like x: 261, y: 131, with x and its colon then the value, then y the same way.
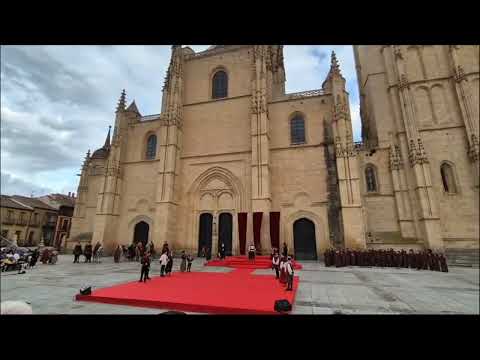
x: 220, y: 85
x: 370, y: 179
x: 297, y: 129
x: 448, y: 179
x: 151, y: 147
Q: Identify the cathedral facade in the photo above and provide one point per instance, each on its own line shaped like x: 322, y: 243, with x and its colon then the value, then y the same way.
x: 234, y: 159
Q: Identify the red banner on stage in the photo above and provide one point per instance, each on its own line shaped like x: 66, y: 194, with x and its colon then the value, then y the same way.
x: 275, y: 229
x: 242, y: 231
x: 257, y: 226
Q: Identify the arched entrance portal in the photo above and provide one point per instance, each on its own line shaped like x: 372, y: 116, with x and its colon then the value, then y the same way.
x: 205, y: 233
x: 225, y: 232
x: 141, y: 233
x: 304, y: 240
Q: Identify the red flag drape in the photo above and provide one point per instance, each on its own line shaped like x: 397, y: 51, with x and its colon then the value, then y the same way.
x: 257, y: 226
x: 275, y: 229
x: 242, y: 231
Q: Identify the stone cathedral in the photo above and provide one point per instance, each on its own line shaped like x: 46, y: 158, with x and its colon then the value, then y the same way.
x: 233, y: 159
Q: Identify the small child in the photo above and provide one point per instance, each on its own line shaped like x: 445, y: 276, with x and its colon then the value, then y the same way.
x: 189, y: 262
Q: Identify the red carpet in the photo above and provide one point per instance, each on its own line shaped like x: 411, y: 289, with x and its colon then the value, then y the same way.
x: 242, y: 262
x: 236, y: 292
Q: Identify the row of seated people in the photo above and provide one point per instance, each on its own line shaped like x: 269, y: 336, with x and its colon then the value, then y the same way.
x: 422, y: 260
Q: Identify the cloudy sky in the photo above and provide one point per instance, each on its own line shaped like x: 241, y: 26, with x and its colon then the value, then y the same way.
x: 57, y: 102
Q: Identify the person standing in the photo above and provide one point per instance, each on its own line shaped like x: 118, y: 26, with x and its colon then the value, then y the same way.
x: 289, y: 271
x: 77, y: 251
x: 276, y: 265
x: 285, y: 250
x: 163, y: 263
x: 189, y: 262
x: 251, y: 252
x: 443, y: 263
x: 222, y: 251
x: 88, y: 253
x: 117, y: 254
x: 168, y: 268
x: 411, y: 259
x: 145, y: 267
x: 183, y: 264
x: 283, y: 274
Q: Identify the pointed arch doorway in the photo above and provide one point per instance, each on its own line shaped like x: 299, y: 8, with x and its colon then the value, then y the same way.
x: 304, y: 240
x: 225, y: 229
x: 140, y: 233
x: 205, y: 234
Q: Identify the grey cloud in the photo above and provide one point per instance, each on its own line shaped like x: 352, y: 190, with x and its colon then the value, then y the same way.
x: 24, y: 67
x: 12, y: 186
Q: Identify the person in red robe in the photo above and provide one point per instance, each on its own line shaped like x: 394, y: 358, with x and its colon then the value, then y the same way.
x: 436, y: 262
x: 338, y: 258
x: 419, y: 260
x: 347, y: 257
x: 326, y: 258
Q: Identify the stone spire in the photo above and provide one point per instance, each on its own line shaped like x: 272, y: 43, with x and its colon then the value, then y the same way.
x: 334, y: 66
x: 121, y: 102
x: 107, y: 140
x: 334, y: 75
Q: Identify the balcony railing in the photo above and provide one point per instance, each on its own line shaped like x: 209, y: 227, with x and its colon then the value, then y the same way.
x: 8, y: 221
x: 34, y: 224
x: 22, y: 222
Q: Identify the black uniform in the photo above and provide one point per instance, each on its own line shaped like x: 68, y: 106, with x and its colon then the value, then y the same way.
x: 145, y: 268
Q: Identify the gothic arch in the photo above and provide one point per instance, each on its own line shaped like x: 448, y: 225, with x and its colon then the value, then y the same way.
x: 321, y: 231
x: 144, y: 147
x: 451, y: 173
x: 228, y: 196
x: 293, y: 116
x: 134, y: 221
x: 369, y: 170
x: 225, y: 176
x: 210, y: 81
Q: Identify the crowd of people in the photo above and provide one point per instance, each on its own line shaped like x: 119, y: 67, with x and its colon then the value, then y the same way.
x: 166, y: 263
x: 283, y: 266
x: 88, y: 252
x: 421, y: 260
x: 16, y: 258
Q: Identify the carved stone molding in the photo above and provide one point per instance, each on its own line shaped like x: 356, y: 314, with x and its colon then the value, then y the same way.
x: 473, y: 151
x: 395, y: 158
x: 459, y: 74
x: 416, y: 153
x: 403, y: 82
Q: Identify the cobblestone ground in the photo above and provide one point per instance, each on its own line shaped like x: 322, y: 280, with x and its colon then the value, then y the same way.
x: 51, y: 288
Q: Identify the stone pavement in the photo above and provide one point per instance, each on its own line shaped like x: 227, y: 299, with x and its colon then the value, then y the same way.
x: 51, y: 288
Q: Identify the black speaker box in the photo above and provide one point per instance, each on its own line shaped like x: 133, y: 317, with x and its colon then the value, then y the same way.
x: 282, y: 305
x: 86, y: 290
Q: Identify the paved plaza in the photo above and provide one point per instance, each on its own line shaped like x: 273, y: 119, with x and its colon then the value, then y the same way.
x: 50, y: 289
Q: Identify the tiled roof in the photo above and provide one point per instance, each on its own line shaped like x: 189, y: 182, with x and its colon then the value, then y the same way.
x: 8, y: 201
x: 57, y: 200
x: 32, y: 202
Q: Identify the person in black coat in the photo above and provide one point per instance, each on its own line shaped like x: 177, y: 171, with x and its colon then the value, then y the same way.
x: 88, y: 253
x: 145, y: 267
x: 285, y: 250
x: 77, y: 251
x: 443, y: 263
x: 168, y: 268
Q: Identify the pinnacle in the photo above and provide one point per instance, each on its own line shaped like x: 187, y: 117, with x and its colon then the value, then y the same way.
x: 107, y: 140
x: 121, y: 101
